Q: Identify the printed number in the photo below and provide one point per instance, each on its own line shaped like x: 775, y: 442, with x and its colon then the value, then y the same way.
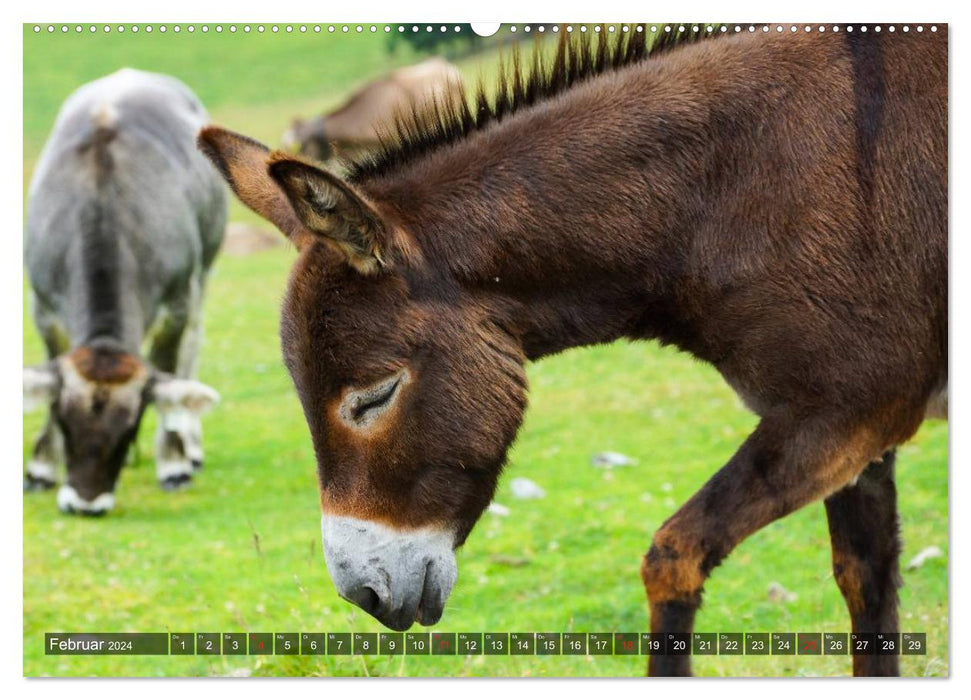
x: 497, y: 644
x: 783, y: 644
x: 758, y: 645
x: 704, y: 644
x: 391, y: 645
x: 601, y: 644
x: 208, y: 645
x: 731, y: 645
x: 836, y: 644
x: 914, y: 645
x: 313, y: 645
x: 286, y: 645
x: 887, y: 644
x: 235, y: 645
x: 419, y: 644
x: 364, y: 644
x: 862, y: 643
x: 523, y: 644
x: 340, y: 643
x: 575, y: 645
x: 470, y: 645
x: 549, y: 645
x: 679, y: 645
x: 182, y: 642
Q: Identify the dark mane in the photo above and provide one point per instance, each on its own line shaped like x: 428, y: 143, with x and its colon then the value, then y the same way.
x: 579, y: 56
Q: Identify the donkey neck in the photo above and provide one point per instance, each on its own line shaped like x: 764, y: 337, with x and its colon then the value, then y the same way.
x: 574, y: 218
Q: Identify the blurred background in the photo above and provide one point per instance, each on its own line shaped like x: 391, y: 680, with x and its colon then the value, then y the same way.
x: 616, y: 438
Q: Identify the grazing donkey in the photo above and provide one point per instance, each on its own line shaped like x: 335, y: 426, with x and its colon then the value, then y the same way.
x: 773, y: 203
x: 124, y: 219
x: 355, y: 128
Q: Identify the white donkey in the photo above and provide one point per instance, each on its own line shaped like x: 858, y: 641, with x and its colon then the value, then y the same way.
x: 124, y: 219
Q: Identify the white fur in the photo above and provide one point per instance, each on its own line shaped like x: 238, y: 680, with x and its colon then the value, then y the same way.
x: 68, y: 499
x: 412, y: 571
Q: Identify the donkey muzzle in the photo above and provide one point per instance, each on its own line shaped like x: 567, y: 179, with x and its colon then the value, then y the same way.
x: 70, y: 501
x: 396, y: 576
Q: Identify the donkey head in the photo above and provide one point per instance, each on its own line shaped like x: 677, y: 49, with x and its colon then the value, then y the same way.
x: 97, y: 394
x: 412, y: 391
x: 308, y: 138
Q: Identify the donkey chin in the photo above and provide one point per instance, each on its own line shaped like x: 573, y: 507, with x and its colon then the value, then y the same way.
x: 397, y: 576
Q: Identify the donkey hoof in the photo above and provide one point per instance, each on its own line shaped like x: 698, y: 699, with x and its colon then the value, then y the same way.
x: 175, y: 482
x: 196, y: 464
x: 37, y: 483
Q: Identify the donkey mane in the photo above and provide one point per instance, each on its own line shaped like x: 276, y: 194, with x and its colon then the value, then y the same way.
x: 433, y: 124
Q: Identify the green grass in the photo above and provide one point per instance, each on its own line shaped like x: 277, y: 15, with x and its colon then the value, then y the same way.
x: 240, y: 550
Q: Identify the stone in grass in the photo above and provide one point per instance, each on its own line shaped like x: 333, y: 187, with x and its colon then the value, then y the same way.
x: 778, y: 594
x: 526, y: 489
x: 498, y: 509
x: 932, y: 552
x: 609, y: 460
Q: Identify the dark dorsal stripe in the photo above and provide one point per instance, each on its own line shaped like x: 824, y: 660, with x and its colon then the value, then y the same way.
x: 868, y: 95
x: 100, y: 266
x: 97, y: 146
x: 579, y: 57
x: 101, y: 270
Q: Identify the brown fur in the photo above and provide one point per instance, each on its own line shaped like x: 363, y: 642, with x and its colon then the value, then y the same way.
x: 105, y: 366
x: 774, y: 204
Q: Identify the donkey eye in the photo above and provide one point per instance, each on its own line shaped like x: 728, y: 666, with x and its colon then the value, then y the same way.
x: 379, y: 399
x: 362, y: 407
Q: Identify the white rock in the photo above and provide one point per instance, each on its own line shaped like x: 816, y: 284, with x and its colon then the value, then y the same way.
x: 498, y: 509
x: 778, y: 594
x: 932, y: 552
x: 609, y: 460
x: 526, y: 489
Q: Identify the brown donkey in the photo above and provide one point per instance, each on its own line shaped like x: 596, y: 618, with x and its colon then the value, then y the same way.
x: 773, y: 203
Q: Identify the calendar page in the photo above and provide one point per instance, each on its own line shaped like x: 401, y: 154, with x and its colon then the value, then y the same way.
x: 525, y: 349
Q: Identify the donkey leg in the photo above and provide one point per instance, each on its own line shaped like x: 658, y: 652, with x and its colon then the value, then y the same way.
x: 48, y: 453
x: 864, y: 531
x: 173, y: 468
x: 187, y: 365
x: 783, y: 465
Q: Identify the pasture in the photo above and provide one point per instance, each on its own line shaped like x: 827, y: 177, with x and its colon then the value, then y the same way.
x: 239, y: 551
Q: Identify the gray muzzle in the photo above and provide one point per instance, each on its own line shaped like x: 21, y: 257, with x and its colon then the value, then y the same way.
x: 397, y: 576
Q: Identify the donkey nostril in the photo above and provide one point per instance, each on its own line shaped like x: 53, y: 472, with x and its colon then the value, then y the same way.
x: 367, y: 599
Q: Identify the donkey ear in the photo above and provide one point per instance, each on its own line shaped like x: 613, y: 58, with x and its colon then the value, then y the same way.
x: 242, y: 161
x: 41, y: 385
x: 174, y: 396
x: 331, y: 208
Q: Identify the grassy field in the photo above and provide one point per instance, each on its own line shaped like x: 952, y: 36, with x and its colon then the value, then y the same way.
x: 240, y: 550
